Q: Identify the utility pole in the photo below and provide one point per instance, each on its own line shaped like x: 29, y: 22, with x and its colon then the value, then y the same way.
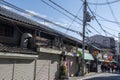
x: 83, y: 43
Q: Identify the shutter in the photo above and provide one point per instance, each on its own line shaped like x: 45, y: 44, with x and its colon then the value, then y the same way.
x: 6, y: 67
x: 24, y: 70
x: 54, y: 67
x: 47, y: 66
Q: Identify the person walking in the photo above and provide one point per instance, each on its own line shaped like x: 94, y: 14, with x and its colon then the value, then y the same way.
x: 108, y: 67
x: 119, y: 68
x: 102, y: 67
x: 94, y: 67
x: 112, y: 67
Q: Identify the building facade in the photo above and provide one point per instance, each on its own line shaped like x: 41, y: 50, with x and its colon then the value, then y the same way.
x: 32, y: 51
x: 103, y: 42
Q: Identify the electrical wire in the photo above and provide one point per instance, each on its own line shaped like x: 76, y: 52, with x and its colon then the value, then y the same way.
x: 74, y: 18
x: 110, y: 29
x: 113, y: 13
x: 36, y: 16
x: 107, y: 19
x: 94, y: 29
x: 111, y: 2
x: 96, y: 6
x: 101, y: 25
x: 77, y: 17
x: 24, y: 11
x: 72, y: 14
x: 60, y: 12
x: 97, y: 21
x: 65, y: 10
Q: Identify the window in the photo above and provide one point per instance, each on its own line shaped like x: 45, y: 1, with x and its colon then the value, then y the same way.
x: 105, y: 42
x: 6, y: 31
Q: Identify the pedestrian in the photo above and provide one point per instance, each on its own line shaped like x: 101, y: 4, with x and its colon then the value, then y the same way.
x: 105, y: 67
x: 119, y: 68
x: 112, y: 67
x: 102, y: 67
x: 108, y: 67
x: 94, y: 67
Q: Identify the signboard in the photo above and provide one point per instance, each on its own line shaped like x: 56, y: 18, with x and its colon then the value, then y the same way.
x: 95, y: 53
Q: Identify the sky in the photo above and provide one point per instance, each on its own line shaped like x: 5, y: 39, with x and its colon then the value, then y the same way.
x: 110, y: 12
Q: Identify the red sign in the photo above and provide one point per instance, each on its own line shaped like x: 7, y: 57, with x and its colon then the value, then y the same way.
x: 110, y: 58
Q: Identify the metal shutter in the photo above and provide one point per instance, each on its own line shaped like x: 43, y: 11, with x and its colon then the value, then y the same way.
x: 24, y: 70
x: 6, y: 67
x: 47, y: 66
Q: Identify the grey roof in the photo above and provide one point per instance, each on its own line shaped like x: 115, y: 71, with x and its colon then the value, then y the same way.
x: 13, y: 15
x: 16, y: 16
x: 6, y: 48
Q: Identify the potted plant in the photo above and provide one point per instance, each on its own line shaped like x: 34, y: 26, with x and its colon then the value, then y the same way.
x: 63, y: 71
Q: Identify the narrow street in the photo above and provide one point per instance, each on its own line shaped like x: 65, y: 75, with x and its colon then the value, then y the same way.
x: 100, y: 76
x: 104, y: 76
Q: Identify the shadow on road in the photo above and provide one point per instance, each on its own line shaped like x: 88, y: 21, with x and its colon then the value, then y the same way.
x: 105, y: 78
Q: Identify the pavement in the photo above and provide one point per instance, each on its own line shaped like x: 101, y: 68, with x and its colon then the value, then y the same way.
x: 82, y: 77
x: 98, y: 76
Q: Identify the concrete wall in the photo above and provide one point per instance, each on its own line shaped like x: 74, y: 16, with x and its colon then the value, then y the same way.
x: 47, y: 67
x: 11, y: 69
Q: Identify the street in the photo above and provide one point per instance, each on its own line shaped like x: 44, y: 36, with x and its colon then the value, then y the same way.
x: 99, y: 76
x: 103, y: 76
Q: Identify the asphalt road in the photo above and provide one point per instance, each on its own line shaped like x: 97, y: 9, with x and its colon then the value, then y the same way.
x: 103, y: 76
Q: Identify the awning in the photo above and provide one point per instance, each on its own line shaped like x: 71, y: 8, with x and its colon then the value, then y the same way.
x: 88, y: 56
x: 114, y: 61
x: 101, y: 60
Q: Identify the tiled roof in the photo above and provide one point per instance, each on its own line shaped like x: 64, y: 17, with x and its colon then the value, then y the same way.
x: 5, y: 48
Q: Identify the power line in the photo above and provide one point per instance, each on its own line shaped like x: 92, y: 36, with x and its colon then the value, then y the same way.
x: 77, y: 17
x: 60, y: 12
x: 113, y: 14
x: 110, y: 28
x: 96, y: 6
x: 107, y: 19
x: 94, y: 28
x: 101, y: 25
x: 111, y: 34
x: 64, y: 14
x: 68, y: 16
x: 111, y: 2
x: 36, y: 16
x: 72, y: 14
x: 64, y: 9
x: 97, y: 20
x: 74, y: 17
x: 24, y: 11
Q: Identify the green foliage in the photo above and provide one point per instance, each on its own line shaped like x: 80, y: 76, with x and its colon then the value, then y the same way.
x: 80, y: 53
x: 63, y: 70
